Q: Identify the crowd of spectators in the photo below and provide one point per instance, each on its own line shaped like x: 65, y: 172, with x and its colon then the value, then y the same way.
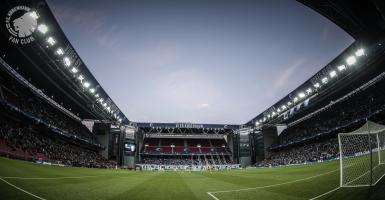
x: 17, y: 96
x: 309, y: 153
x: 342, y: 115
x: 33, y: 129
x: 305, y: 142
x: 40, y: 147
x: 187, y: 161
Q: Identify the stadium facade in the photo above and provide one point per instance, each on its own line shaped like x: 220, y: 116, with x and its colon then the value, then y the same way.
x: 47, y: 90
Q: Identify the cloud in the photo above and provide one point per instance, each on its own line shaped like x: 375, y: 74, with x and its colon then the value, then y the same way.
x: 284, y: 77
x: 203, y: 105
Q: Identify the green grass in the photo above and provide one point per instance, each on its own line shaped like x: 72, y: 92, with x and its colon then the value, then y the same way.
x: 145, y: 185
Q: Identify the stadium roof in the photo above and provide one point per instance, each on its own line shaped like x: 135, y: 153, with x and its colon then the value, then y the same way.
x: 187, y: 125
x: 364, y: 21
x: 33, y: 43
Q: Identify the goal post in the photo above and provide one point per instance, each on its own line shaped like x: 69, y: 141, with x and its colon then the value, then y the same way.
x: 362, y: 158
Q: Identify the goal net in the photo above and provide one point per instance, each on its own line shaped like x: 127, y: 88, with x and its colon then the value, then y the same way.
x: 362, y: 155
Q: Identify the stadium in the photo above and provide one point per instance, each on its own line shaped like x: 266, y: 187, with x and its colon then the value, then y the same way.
x: 62, y: 136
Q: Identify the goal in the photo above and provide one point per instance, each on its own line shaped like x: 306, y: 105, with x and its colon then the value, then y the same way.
x: 362, y: 157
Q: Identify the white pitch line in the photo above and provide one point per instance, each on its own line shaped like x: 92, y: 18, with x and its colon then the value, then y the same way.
x: 25, y: 191
x: 44, y: 178
x: 211, y: 194
x: 333, y: 190
x: 274, y: 185
x: 214, y: 197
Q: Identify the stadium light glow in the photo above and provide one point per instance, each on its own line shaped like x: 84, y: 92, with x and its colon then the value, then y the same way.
x: 96, y: 95
x: 273, y: 114
x: 257, y: 123
x: 317, y: 85
x: 289, y: 103
x: 360, y: 52
x: 295, y: 99
x: 279, y: 110
x: 324, y: 80
x: 74, y: 70
x: 105, y: 104
x: 341, y: 68
x: 283, y: 107
x: 333, y: 74
x: 92, y: 90
x: 67, y: 61
x: 351, y: 60
x: 309, y: 91
x: 101, y: 100
x: 81, y: 77
x: 34, y: 15
x: 51, y: 41
x: 86, y: 84
x: 59, y: 51
x: 42, y: 28
x: 301, y: 95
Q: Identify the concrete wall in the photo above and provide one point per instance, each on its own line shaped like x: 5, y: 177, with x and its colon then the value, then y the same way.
x: 104, y: 140
x: 270, y: 135
x: 245, y: 161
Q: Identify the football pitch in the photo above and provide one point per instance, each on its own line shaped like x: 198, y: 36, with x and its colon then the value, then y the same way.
x: 24, y: 180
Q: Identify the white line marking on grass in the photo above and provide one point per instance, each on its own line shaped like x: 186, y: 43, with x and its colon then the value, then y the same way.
x: 333, y: 190
x: 44, y: 178
x: 214, y: 197
x: 268, y: 186
x: 25, y: 191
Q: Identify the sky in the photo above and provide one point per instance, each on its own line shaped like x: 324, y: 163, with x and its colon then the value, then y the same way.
x: 216, y: 61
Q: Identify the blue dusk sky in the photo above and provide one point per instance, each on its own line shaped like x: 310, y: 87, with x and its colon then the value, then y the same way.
x: 211, y: 61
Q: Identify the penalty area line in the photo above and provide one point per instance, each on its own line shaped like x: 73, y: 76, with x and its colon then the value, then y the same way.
x: 321, y: 195
x: 25, y: 191
x: 211, y: 194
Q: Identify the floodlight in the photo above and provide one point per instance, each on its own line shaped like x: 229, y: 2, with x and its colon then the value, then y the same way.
x: 51, y: 41
x: 59, y: 51
x: 34, y: 15
x: 360, y: 52
x: 295, y: 99
x: 341, y: 68
x: 92, y: 90
x: 101, y: 100
x: 96, y: 95
x: 257, y: 123
x: 301, y: 95
x: 309, y: 91
x: 67, y: 61
x: 333, y: 74
x: 279, y: 110
x: 42, y: 28
x: 105, y: 104
x: 86, y: 84
x: 324, y: 80
x: 81, y: 77
x: 289, y: 103
x: 317, y: 85
x: 351, y: 60
x: 273, y: 114
x: 74, y: 70
x: 283, y: 107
